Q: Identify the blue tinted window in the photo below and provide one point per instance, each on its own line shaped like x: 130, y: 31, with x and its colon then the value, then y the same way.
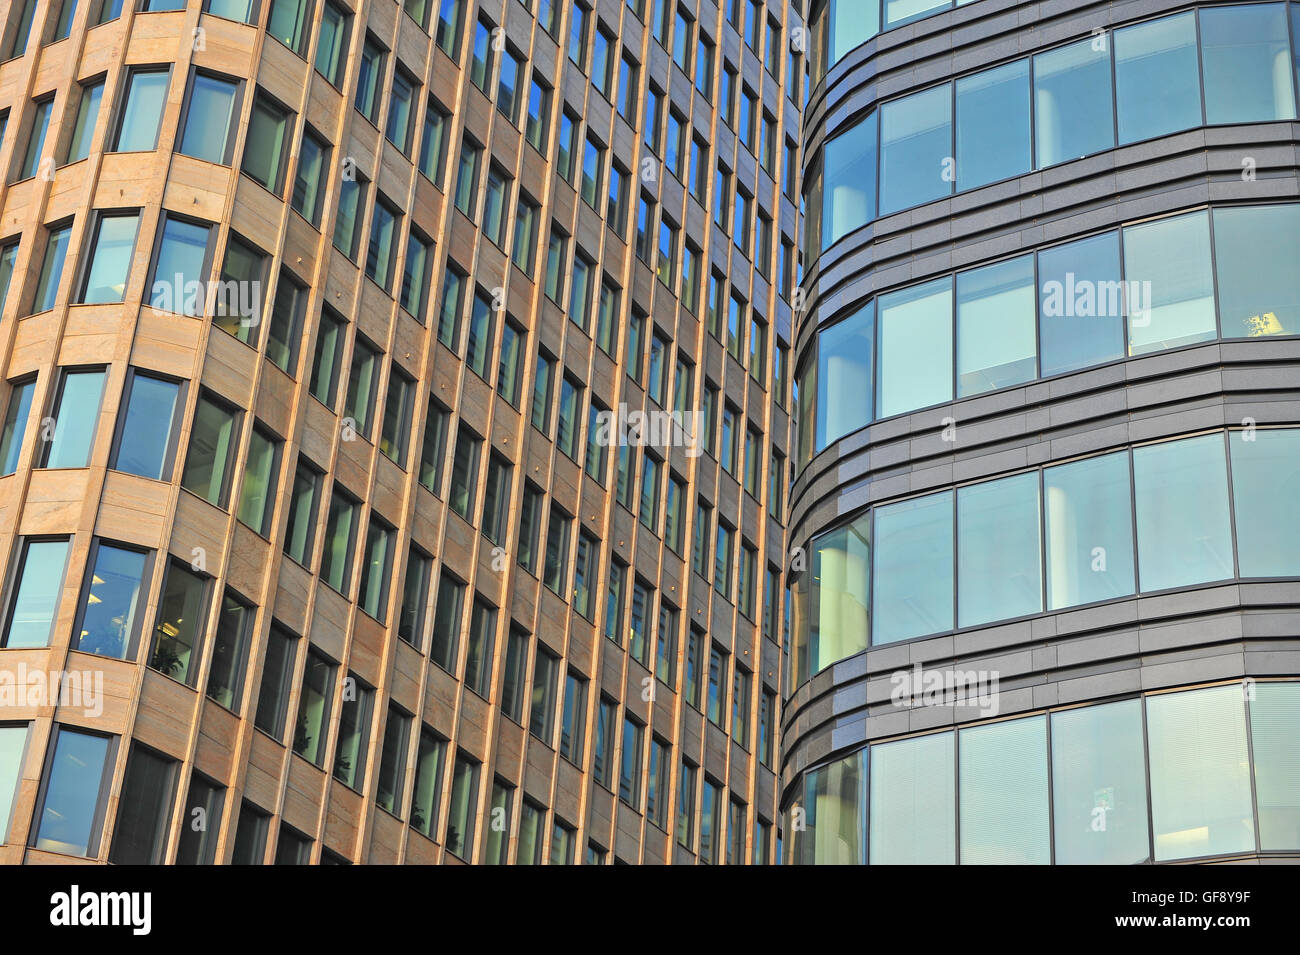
x: 998, y: 569
x: 843, y: 376
x: 1254, y: 259
x: 996, y: 331
x: 1089, y: 517
x: 1170, y: 283
x: 912, y: 583
x: 1244, y: 55
x: 916, y: 149
x: 1080, y: 305
x: 915, y: 366
x: 848, y: 181
x: 1266, y: 500
x: 1072, y: 102
x: 69, y: 817
x: 993, y: 138
x: 1157, y: 80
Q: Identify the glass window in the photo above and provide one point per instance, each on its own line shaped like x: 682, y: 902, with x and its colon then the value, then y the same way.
x: 1157, y: 78
x: 110, y: 258
x: 915, y: 143
x: 289, y: 23
x: 332, y: 43
x: 370, y: 78
x: 629, y: 777
x: 208, y: 118
x: 999, y: 572
x: 1081, y: 304
x: 460, y: 814
x: 480, y: 648
x: 1089, y: 520
x: 434, y: 448
x: 1181, y: 493
x: 17, y: 416
x: 557, y: 550
x: 142, y: 108
x: 541, y: 718
x: 573, y: 725
x: 75, y: 413
x: 36, y: 590
x: 144, y: 447
x: 328, y: 356
x: 1259, y: 286
x: 913, y: 802
x: 202, y: 815
x: 376, y: 568
x: 996, y: 336
x: 56, y: 255
x: 250, y: 836
x: 843, y: 366
x: 1099, y: 786
x: 836, y: 807
x: 847, y: 196
x: 382, y: 246
x: 229, y: 653
x: 314, y: 708
x: 516, y: 673
x: 238, y: 295
x: 143, y: 809
x: 428, y: 775
x: 912, y: 585
x: 464, y: 472
x: 307, y: 195
x: 1073, y: 111
x: 363, y: 387
x: 71, y: 811
x: 36, y: 138
x: 351, y: 747
x: 1200, y: 774
x: 180, y: 266
x: 108, y: 613
x: 1004, y: 802
x: 396, y: 428
x: 448, y: 33
x: 401, y: 108
x: 837, y: 618
x: 447, y: 621
x: 1169, y: 283
x: 1275, y: 749
x: 433, y: 142
x: 657, y: 791
x: 1265, y: 467
x: 211, y: 443
x: 181, y: 620
x: 277, y: 671
x: 993, y: 136
x: 83, y: 132
x: 415, y: 598
x: 1244, y: 54
x: 915, y: 365
x: 351, y: 199
x: 340, y: 535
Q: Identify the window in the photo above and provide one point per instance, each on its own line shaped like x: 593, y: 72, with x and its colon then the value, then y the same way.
x: 837, y: 609
x: 654, y: 109
x: 89, y: 98
x: 1268, y: 544
x: 285, y: 328
x: 143, y: 809
x: 586, y: 558
x: 257, y: 488
x: 748, y: 117
x: 1173, y: 255
x: 433, y: 449
x: 56, y: 253
x: 666, y: 645
x: 682, y: 41
x: 645, y: 217
x: 71, y: 805
x: 428, y: 776
x: 352, y: 198
x: 915, y: 140
x: 340, y: 538
x: 538, y: 122
x: 495, y: 200
x: 202, y: 822
x: 597, y: 458
x: 266, y: 146
x: 510, y: 369
x: 557, y: 550
x: 74, y: 412
x: 395, y: 432
x: 593, y: 159
x: 137, y: 130
x: 995, y: 329
x: 747, y: 576
x: 912, y: 582
x: 376, y: 569
x: 998, y: 532
x: 36, y: 139
x: 381, y: 252
x: 467, y: 177
x: 686, y: 805
x: 616, y: 209
x: 629, y: 73
x: 541, y: 718
x: 498, y: 840
x: 541, y: 414
x: 1157, y: 82
x: 710, y: 822
x: 461, y: 816
x: 35, y: 592
x: 22, y: 29
x: 480, y: 56
x: 447, y: 621
x: 453, y: 305
x: 580, y: 290
x: 17, y: 417
x: 230, y: 652
x: 727, y: 457
x: 602, y: 761
x: 433, y: 142
x: 1239, y: 47
x: 674, y: 150
x: 566, y: 146
x: 717, y: 687
x: 464, y: 471
x: 401, y: 110
x: 843, y: 196
x: 363, y: 388
x: 277, y: 671
x: 328, y: 356
x: 531, y: 834
x: 144, y: 444
x: 314, y: 708
x: 415, y: 597
x: 639, y: 623
x: 250, y: 836
x: 614, y: 601
x: 237, y: 304
x: 354, y: 732
x: 1259, y: 293
x: 736, y: 813
x: 629, y: 780
x: 1072, y: 94
x: 313, y: 159
x: 1090, y: 329
x: 915, y: 366
x: 292, y: 847
x: 290, y: 22
x: 370, y: 79
x: 1089, y: 524
x: 449, y: 30
x: 524, y: 249
x: 602, y: 63
x: 766, y: 726
x: 8, y: 255
x: 478, y: 348
x: 573, y: 725
x: 667, y: 262
x: 496, y: 497
x: 332, y: 44
x: 181, y: 263
x: 649, y: 507
x: 566, y: 432
x: 578, y: 36
x: 516, y: 672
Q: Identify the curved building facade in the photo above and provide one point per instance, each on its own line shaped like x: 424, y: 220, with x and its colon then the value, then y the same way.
x: 1045, y: 548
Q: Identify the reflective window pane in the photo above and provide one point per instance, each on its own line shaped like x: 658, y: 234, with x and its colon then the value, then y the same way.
x: 993, y: 138
x: 69, y: 819
x: 1259, y: 285
x: 1265, y: 480
x: 1072, y: 102
x: 36, y: 594
x: 1157, y: 78
x: 1003, y: 793
x: 915, y: 363
x: 915, y: 149
x: 1081, y: 304
x: 1245, y: 60
x: 913, y: 802
x: 912, y: 586
x: 1275, y: 746
x: 1089, y: 518
x: 1099, y: 785
x: 76, y: 416
x: 207, y: 119
x: 112, y: 602
x: 1181, y: 490
x: 1169, y: 283
x: 843, y: 367
x: 142, y: 111
x: 837, y: 621
x: 996, y: 337
x: 998, y: 568
x: 146, y: 432
x: 1200, y: 776
x: 836, y: 807
x: 848, y: 196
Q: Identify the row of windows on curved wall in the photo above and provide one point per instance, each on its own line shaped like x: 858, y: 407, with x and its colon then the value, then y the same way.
x: 840, y: 26
x: 1163, y: 777
x: 1053, y: 107
x: 1158, y: 284
x: 1156, y: 517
